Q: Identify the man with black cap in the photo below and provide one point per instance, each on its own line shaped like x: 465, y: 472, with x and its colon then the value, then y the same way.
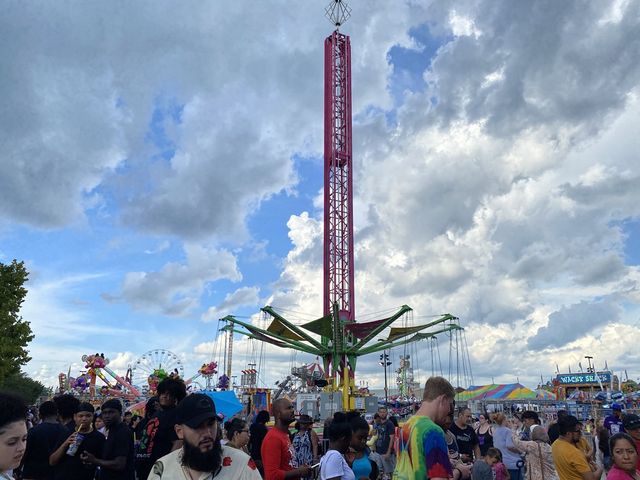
x: 631, y: 425
x: 202, y: 457
x: 117, y: 455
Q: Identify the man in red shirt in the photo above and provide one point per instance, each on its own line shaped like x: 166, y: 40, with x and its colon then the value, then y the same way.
x: 631, y: 424
x: 277, y: 451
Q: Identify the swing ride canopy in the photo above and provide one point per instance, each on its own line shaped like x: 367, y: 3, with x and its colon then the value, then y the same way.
x: 284, y: 333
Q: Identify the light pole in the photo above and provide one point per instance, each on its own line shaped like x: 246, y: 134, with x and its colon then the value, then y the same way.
x: 590, y: 369
x: 384, y: 361
x: 589, y: 358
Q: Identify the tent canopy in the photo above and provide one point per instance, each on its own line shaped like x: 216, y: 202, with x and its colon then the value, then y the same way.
x: 543, y: 394
x: 508, y: 391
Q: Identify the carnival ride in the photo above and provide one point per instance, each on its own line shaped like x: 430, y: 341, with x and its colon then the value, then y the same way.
x: 153, y: 367
x: 308, y: 378
x: 207, y: 371
x: 96, y: 366
x: 336, y: 337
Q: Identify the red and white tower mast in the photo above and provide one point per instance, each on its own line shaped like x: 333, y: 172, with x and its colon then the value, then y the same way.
x: 339, y: 288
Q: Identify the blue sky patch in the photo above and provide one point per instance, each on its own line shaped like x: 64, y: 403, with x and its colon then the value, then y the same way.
x: 409, y: 65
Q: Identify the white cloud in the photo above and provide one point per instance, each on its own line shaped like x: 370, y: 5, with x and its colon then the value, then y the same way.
x: 121, y: 362
x: 177, y: 287
x: 161, y: 247
x: 242, y: 297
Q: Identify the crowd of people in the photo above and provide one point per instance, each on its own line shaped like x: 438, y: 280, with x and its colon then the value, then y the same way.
x: 433, y: 445
x: 182, y: 437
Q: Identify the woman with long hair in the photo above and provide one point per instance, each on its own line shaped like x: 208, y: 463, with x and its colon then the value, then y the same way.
x: 484, y: 433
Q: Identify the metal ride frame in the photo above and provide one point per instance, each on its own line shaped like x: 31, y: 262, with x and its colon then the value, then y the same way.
x: 342, y: 339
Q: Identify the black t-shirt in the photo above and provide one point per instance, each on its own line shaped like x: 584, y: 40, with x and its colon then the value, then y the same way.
x: 258, y: 431
x: 465, y: 437
x: 119, y: 443
x: 157, y: 441
x: 72, y: 468
x: 385, y: 430
x: 41, y: 442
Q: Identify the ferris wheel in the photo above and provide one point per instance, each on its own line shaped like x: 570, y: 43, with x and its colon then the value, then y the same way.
x: 158, y: 364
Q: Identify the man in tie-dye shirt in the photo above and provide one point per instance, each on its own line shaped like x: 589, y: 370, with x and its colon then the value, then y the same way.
x: 423, y: 452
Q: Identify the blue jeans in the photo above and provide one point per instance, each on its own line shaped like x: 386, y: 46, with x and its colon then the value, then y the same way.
x: 515, y: 474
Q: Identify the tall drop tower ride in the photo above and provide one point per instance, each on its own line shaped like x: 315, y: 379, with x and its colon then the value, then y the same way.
x: 339, y: 287
x: 341, y: 339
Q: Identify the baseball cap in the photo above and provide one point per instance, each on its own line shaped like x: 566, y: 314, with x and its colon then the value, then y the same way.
x: 631, y: 421
x: 195, y: 409
x: 616, y: 406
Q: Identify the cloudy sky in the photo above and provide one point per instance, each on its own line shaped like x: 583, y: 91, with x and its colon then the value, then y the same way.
x: 161, y: 166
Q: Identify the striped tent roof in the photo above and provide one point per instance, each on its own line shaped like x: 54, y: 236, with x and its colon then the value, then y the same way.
x: 508, y: 391
x: 543, y: 394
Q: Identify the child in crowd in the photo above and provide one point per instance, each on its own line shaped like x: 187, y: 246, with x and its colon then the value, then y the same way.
x: 500, y: 469
x: 482, y: 468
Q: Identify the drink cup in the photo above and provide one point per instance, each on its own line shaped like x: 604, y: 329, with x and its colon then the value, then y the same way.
x: 73, y: 448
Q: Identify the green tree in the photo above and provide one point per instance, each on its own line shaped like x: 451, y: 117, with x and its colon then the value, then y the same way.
x: 24, y: 386
x: 15, y: 333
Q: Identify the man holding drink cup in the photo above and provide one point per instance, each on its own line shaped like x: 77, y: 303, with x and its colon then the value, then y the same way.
x: 67, y: 456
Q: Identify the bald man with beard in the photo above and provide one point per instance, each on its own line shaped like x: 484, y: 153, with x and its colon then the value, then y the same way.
x: 277, y: 451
